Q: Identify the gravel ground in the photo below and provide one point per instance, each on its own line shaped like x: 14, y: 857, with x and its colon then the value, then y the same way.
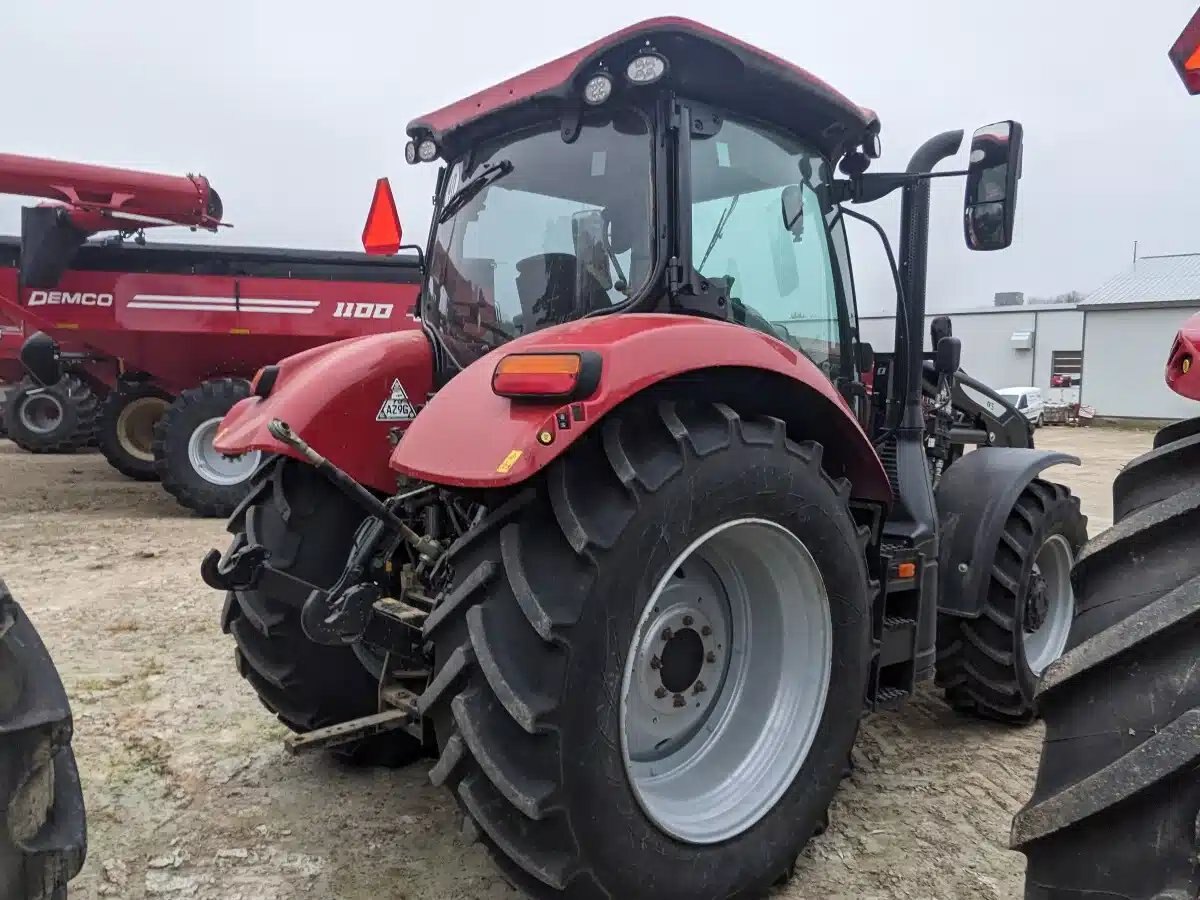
x: 190, y: 794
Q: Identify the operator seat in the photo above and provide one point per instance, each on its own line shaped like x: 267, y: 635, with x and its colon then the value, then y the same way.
x: 552, y: 289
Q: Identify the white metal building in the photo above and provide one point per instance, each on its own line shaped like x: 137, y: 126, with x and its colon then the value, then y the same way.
x: 1114, y: 343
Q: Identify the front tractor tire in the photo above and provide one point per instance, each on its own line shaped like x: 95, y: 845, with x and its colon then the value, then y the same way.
x: 60, y: 418
x: 989, y: 666
x: 650, y: 665
x: 125, y: 432
x: 189, y: 466
x: 307, y: 526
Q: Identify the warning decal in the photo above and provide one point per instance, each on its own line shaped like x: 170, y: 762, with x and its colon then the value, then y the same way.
x: 397, y: 407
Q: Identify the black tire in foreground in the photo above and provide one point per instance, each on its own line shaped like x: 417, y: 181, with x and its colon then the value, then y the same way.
x: 544, y: 630
x: 307, y: 525
x: 989, y: 666
x: 125, y: 431
x: 43, y: 830
x: 1115, y: 808
x: 57, y: 419
x: 190, y: 469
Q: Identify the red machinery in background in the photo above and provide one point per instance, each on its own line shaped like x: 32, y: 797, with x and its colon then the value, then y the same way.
x: 167, y: 336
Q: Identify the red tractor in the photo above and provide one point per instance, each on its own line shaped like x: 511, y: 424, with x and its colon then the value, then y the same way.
x: 620, y: 536
x: 1116, y: 808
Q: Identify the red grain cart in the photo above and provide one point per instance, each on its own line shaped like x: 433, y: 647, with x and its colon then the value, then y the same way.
x: 173, y: 333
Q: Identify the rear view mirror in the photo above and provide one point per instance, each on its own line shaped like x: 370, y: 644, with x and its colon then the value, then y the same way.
x: 948, y: 355
x: 791, y: 203
x: 990, y: 205
x: 591, y: 255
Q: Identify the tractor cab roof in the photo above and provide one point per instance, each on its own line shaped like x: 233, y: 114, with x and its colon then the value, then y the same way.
x: 703, y: 64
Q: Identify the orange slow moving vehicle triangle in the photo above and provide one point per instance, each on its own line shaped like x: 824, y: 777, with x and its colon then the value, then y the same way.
x: 382, y: 233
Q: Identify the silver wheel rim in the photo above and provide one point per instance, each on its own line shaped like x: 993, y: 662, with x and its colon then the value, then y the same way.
x: 135, y: 426
x: 1044, y: 643
x: 212, y: 465
x: 726, y: 680
x: 41, y: 413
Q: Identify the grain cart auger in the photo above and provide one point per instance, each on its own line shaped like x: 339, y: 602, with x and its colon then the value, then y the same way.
x: 648, y: 543
x: 1115, y: 811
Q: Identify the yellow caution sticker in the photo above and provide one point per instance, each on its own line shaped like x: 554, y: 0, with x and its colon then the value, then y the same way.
x: 509, y: 461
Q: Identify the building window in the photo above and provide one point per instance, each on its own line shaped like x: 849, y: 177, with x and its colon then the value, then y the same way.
x: 1066, y: 364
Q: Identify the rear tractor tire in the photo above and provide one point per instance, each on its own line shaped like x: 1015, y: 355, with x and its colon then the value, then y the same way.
x: 58, y: 419
x: 190, y: 468
x: 989, y: 666
x: 649, y: 667
x: 1115, y: 808
x: 43, y: 827
x: 307, y: 526
x: 126, y: 429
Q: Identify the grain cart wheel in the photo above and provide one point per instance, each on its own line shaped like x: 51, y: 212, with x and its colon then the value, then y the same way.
x: 191, y: 469
x: 43, y: 834
x: 307, y: 526
x: 126, y: 430
x: 989, y: 666
x: 1115, y: 809
x: 650, y: 666
x: 57, y: 419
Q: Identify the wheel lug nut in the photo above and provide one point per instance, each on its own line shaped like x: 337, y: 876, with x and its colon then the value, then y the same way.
x: 688, y: 620
x: 699, y: 688
x: 667, y: 634
x: 660, y: 692
x: 710, y: 657
x: 679, y: 700
x: 655, y: 662
x: 705, y: 630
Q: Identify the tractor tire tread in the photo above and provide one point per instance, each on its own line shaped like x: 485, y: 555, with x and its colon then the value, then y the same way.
x: 977, y: 666
x: 293, y: 512
x: 489, y: 694
x: 43, y: 829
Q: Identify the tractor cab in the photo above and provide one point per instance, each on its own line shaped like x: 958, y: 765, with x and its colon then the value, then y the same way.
x: 667, y: 168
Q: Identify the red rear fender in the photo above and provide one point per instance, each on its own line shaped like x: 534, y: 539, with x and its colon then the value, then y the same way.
x: 469, y: 437
x: 343, y: 399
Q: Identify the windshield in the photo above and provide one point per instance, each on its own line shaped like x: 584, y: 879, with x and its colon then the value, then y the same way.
x: 536, y: 231
x: 759, y: 221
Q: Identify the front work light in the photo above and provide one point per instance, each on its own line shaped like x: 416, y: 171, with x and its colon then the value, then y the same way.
x: 646, y: 68
x: 597, y: 90
x: 410, y: 153
x: 547, y: 376
x: 427, y: 150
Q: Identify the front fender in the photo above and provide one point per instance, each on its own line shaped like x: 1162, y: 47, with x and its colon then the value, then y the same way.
x: 343, y: 400
x: 467, y: 436
x: 974, y: 497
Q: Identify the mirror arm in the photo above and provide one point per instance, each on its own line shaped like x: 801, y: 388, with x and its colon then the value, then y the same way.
x: 420, y: 254
x: 868, y: 188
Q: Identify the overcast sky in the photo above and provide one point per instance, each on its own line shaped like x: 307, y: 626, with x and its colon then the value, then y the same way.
x: 293, y: 108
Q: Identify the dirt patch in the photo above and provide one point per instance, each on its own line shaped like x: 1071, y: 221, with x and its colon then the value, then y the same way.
x: 190, y: 795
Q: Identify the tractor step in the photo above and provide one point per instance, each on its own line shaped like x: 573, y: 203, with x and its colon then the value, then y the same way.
x: 402, y: 715
x: 890, y: 698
